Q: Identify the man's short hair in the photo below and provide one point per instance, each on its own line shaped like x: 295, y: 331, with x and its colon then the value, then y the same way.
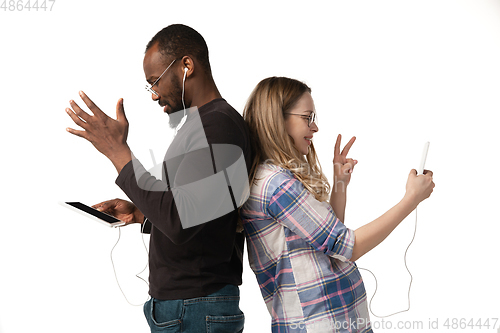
x: 179, y: 40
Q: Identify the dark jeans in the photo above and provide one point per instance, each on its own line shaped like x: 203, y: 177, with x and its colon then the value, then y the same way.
x: 216, y: 313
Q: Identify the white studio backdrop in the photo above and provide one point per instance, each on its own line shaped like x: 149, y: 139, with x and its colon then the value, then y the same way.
x: 393, y: 73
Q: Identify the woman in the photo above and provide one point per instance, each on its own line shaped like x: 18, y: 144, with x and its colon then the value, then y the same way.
x: 302, y: 254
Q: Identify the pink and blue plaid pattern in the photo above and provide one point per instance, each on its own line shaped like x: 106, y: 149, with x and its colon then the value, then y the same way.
x: 299, y: 251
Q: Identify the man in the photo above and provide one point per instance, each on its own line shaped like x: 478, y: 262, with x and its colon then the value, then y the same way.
x: 195, y: 254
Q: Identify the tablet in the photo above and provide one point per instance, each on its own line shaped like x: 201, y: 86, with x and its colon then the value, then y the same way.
x: 94, y: 214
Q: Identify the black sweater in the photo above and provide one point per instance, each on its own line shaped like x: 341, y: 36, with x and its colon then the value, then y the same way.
x: 188, y: 261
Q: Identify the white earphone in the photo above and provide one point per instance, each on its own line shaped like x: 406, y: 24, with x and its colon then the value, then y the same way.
x: 183, y: 120
x: 183, y: 82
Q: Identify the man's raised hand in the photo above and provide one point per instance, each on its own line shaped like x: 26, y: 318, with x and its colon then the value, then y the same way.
x: 109, y: 136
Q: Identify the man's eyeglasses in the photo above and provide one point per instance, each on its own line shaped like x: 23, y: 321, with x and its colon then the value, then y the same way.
x: 149, y: 87
x: 311, y: 118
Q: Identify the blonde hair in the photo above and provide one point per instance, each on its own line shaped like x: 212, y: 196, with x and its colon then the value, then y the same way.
x: 265, y: 115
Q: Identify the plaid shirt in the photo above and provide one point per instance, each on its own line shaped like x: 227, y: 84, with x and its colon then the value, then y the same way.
x: 299, y: 251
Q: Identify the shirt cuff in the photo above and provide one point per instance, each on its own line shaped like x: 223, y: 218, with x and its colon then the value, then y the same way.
x: 347, y: 246
x: 146, y: 226
x: 124, y: 172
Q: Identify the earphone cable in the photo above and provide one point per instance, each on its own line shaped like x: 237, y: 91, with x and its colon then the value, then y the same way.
x: 411, y: 277
x: 137, y: 275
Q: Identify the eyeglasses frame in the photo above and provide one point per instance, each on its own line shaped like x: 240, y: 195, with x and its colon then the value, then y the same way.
x: 311, y: 118
x: 149, y: 87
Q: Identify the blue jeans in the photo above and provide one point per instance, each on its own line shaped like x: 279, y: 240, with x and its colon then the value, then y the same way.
x: 216, y: 313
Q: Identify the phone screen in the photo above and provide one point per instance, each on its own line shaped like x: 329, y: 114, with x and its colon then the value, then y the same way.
x: 94, y: 212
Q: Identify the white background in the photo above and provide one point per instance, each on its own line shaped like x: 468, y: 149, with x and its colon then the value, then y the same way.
x: 393, y: 73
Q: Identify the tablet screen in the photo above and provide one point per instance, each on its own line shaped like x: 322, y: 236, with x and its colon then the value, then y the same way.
x: 94, y: 212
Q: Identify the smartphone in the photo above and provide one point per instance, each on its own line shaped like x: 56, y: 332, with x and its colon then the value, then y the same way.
x: 424, y: 157
x: 94, y: 214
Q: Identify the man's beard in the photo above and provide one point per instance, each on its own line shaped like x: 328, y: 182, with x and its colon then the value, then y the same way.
x: 175, y: 118
x: 176, y: 115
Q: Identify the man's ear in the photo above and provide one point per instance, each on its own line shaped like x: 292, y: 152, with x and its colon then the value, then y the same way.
x: 187, y: 63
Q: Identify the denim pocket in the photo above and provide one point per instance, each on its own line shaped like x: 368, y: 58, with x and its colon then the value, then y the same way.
x: 225, y: 324
x: 164, y: 316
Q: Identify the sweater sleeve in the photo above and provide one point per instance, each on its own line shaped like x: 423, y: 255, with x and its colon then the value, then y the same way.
x: 153, y: 198
x: 195, y: 192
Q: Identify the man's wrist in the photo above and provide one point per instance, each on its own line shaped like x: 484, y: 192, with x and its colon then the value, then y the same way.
x: 121, y: 158
x: 139, y: 217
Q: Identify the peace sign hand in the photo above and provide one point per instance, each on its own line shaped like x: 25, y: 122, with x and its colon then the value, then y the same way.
x: 343, y: 166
